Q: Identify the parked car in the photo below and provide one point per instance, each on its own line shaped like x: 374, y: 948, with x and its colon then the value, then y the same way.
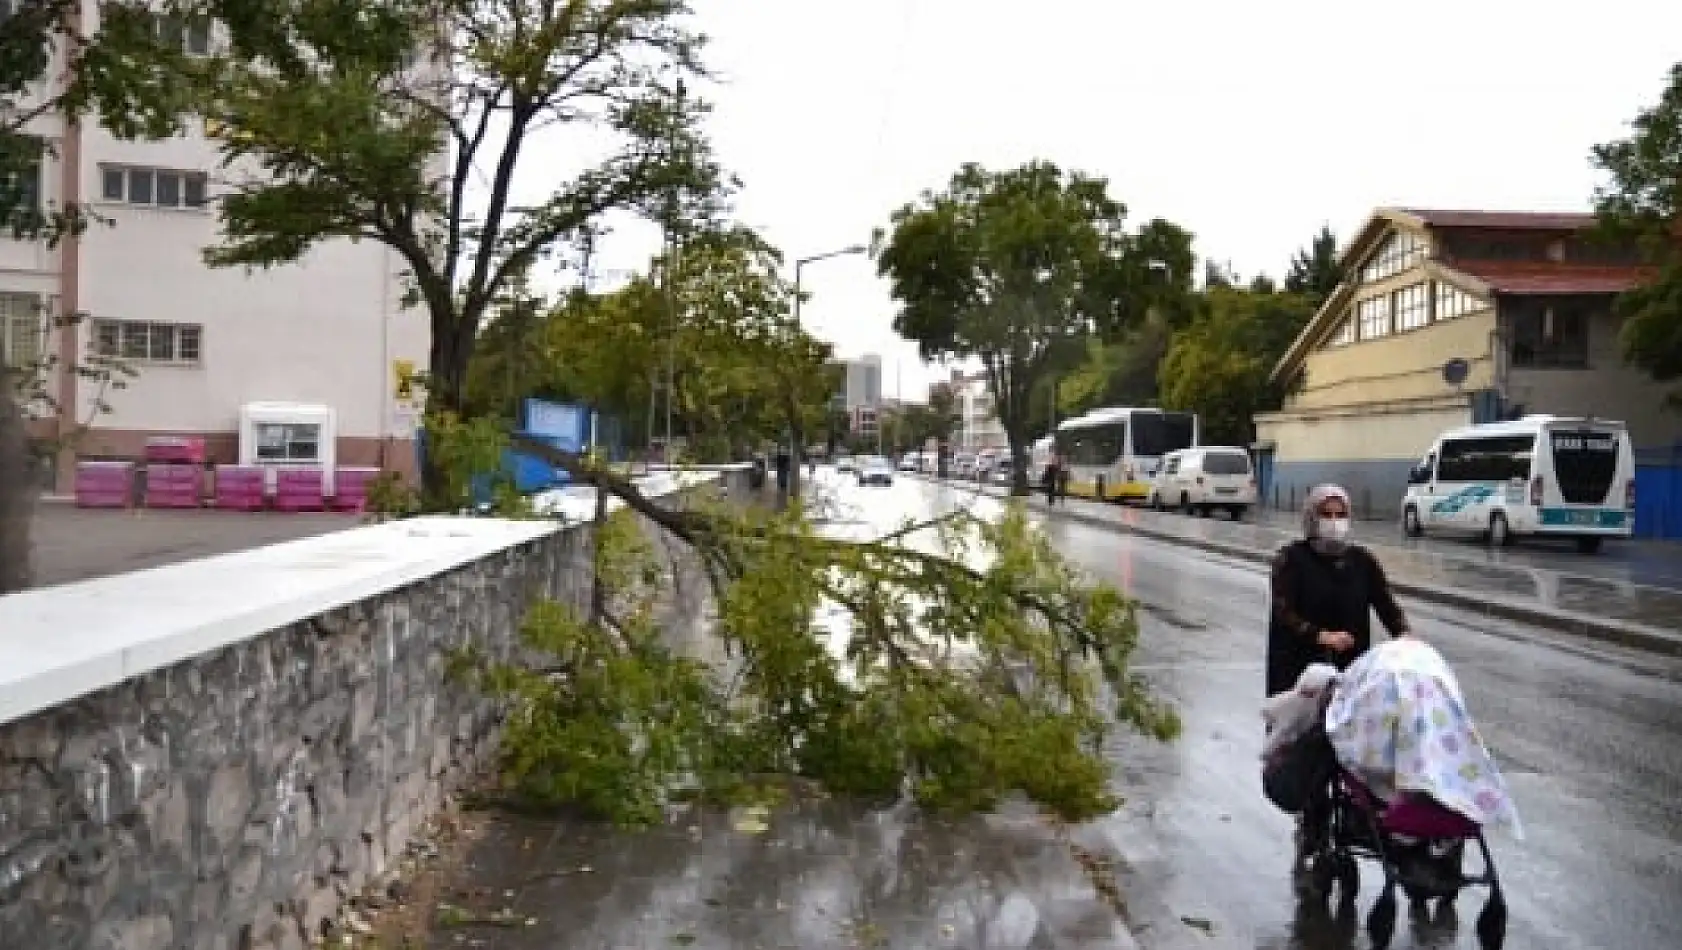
x: 1204, y: 479
x: 846, y: 464
x: 908, y: 462
x: 876, y: 470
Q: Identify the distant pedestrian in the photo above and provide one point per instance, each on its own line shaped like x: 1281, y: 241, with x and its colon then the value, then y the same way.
x: 1054, y: 479
x: 784, y: 468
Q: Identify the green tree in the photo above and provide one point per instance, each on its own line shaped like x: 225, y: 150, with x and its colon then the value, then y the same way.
x: 349, y: 127
x: 1219, y: 365
x: 1315, y: 270
x: 1641, y: 201
x: 115, y: 78
x: 317, y: 95
x: 1019, y: 269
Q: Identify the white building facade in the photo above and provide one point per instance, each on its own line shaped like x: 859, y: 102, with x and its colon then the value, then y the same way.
x: 979, y: 427
x: 195, y: 344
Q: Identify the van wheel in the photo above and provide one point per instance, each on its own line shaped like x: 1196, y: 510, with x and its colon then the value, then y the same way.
x: 1500, y: 535
x: 1588, y: 545
x: 1410, y: 522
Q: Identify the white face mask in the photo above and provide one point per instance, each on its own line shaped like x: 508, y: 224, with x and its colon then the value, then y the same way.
x: 1333, y: 529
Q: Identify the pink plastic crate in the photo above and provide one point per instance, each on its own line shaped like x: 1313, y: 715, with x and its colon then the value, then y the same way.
x: 299, y: 489
x: 240, y: 488
x: 350, y: 487
x: 104, y: 484
x: 173, y: 486
x: 186, y: 449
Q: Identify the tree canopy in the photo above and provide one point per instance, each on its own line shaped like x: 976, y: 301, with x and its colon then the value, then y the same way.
x: 1641, y: 200
x: 1219, y: 365
x: 1315, y: 270
x: 413, y: 123
x: 1019, y: 269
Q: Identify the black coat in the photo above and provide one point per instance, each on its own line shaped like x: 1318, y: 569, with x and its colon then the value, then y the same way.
x: 1314, y: 592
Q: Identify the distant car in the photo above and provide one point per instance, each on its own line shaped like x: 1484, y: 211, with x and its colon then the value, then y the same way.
x: 908, y: 463
x: 876, y: 470
x: 846, y: 463
x: 1203, y: 479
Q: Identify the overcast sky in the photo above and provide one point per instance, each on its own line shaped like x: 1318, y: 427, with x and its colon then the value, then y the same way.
x: 1250, y: 124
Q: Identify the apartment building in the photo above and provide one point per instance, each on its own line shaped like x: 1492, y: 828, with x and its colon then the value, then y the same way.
x: 979, y: 427
x: 195, y: 344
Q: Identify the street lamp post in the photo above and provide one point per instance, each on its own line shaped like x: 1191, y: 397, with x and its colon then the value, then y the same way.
x: 797, y: 436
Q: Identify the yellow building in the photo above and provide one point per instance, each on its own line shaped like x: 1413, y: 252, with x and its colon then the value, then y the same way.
x: 1446, y: 318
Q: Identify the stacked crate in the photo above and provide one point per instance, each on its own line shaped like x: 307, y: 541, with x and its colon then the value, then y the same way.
x: 173, y: 485
x: 350, y: 487
x: 104, y: 484
x: 299, y: 489
x: 239, y: 488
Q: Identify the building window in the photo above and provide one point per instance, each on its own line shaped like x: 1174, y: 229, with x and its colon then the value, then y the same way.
x: 1412, y: 308
x: 20, y: 188
x: 1345, y: 334
x: 191, y: 35
x: 1373, y: 317
x: 288, y: 442
x: 155, y: 187
x: 22, y: 330
x: 137, y: 340
x: 1399, y: 252
x: 1453, y: 302
x: 1551, y: 338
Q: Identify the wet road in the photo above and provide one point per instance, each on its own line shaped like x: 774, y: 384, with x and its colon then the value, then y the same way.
x: 1591, y: 742
x: 1588, y: 737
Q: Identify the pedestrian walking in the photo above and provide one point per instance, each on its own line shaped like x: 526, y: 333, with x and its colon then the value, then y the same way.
x: 1324, y: 591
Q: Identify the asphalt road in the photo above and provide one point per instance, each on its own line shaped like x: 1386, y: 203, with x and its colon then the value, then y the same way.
x: 1591, y: 742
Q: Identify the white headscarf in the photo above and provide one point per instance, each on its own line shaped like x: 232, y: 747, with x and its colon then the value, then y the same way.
x: 1317, y: 496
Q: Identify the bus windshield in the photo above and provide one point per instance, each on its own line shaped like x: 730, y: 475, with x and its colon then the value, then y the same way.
x: 1158, y: 433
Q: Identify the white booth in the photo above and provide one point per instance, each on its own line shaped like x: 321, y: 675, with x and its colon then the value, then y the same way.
x: 276, y: 435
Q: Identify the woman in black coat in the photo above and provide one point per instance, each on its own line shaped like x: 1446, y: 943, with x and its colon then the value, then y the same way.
x: 1325, y: 591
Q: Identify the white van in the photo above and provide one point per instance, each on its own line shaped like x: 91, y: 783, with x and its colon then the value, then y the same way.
x: 1203, y: 479
x: 1547, y: 476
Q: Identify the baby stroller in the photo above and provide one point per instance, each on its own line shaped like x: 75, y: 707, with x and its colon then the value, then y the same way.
x: 1418, y: 844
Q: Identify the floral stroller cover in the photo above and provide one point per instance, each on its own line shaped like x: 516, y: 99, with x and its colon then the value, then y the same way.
x: 1398, y: 722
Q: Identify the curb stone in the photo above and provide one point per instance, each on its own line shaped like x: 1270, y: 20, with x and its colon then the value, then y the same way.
x: 1607, y: 630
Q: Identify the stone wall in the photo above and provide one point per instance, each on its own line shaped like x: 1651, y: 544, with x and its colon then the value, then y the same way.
x: 232, y: 800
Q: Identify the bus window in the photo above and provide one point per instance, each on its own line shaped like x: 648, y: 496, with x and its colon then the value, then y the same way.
x: 1158, y: 433
x: 1501, y: 458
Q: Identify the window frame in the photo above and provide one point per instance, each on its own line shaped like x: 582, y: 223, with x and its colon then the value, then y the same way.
x: 134, y: 341
x: 22, y: 309
x: 1546, y: 355
x: 192, y: 188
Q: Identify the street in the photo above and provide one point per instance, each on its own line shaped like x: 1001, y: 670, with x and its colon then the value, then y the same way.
x: 1588, y: 739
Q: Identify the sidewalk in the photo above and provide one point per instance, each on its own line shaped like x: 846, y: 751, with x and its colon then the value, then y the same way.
x: 1630, y: 615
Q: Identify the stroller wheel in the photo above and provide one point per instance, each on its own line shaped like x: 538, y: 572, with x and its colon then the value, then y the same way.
x: 1381, y: 923
x: 1492, y: 923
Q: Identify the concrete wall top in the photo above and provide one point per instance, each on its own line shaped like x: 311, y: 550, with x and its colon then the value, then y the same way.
x: 60, y: 643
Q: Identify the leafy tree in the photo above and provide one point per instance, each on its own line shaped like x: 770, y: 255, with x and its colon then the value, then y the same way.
x: 1642, y: 202
x: 1019, y: 269
x: 347, y: 133
x: 115, y: 77
x: 1219, y: 366
x: 1315, y: 270
x: 1120, y: 373
x: 316, y: 94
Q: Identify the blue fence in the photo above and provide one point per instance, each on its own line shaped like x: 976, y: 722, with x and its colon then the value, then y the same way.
x: 1658, y: 493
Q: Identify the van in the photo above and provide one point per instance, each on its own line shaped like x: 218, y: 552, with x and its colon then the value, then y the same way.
x: 1204, y: 479
x: 1540, y: 476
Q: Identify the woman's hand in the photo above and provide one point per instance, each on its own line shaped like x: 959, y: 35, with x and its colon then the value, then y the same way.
x: 1338, y: 641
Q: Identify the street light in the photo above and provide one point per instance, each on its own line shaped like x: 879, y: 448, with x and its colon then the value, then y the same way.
x: 796, y: 436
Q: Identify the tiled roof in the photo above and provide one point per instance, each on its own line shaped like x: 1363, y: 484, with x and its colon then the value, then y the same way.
x: 1525, y: 277
x: 1504, y: 220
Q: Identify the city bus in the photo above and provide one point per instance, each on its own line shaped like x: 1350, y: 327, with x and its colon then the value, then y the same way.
x: 1113, y: 454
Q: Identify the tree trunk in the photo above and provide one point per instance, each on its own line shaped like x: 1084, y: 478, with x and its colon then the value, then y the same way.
x: 446, y: 392
x: 1020, y: 486
x: 17, y: 492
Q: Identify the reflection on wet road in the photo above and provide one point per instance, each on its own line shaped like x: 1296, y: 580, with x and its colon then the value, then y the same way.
x: 1589, y: 741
